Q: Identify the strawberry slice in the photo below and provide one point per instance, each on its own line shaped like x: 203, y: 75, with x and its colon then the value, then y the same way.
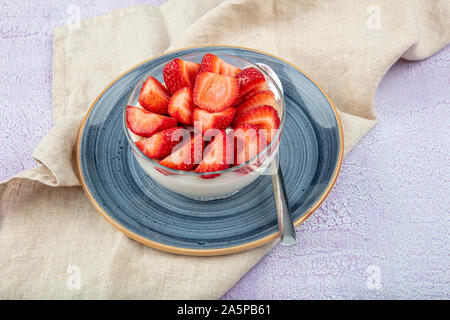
x: 259, y: 98
x: 249, y: 142
x: 181, y: 105
x: 161, y: 144
x: 217, y: 156
x: 186, y: 155
x: 264, y: 117
x: 145, y: 123
x: 154, y: 96
x: 204, y: 120
x: 212, y: 63
x: 251, y: 80
x: 215, y: 92
x: 179, y: 74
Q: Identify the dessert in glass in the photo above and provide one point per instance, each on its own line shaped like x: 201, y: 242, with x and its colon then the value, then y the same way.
x: 205, y: 125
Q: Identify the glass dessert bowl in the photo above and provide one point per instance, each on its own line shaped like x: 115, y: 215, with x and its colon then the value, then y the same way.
x: 241, y: 170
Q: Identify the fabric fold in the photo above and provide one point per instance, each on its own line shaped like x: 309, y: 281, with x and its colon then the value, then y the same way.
x: 433, y: 23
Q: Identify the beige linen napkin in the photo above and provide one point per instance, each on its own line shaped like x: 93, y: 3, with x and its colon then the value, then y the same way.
x: 53, y: 244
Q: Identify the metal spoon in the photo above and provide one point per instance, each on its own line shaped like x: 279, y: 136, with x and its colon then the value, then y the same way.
x: 288, y: 236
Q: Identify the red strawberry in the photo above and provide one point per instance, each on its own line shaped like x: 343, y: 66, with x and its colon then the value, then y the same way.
x: 161, y: 144
x: 251, y: 80
x: 187, y: 155
x: 249, y: 142
x: 179, y: 74
x: 154, y: 96
x: 181, y: 105
x: 212, y: 63
x: 264, y: 117
x: 215, y: 92
x: 204, y: 120
x: 217, y: 156
x: 259, y: 98
x: 145, y: 123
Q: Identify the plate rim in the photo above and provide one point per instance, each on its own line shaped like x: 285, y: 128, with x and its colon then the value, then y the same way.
x: 218, y: 251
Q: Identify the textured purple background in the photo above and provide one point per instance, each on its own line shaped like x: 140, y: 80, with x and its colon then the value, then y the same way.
x: 390, y: 207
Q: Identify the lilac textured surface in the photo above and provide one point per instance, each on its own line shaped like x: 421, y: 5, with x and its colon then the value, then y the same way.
x: 382, y: 233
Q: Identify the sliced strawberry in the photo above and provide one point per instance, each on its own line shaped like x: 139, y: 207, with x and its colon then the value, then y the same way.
x: 187, y: 155
x: 217, y: 155
x: 259, y: 98
x: 161, y: 144
x: 204, y: 120
x: 145, y: 123
x: 154, y: 96
x: 251, y: 80
x: 181, y: 105
x: 215, y: 92
x: 179, y: 74
x: 249, y: 142
x: 257, y: 87
x: 264, y: 117
x: 248, y: 75
x: 212, y: 63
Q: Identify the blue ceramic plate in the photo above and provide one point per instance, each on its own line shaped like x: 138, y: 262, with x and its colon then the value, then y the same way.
x: 311, y: 154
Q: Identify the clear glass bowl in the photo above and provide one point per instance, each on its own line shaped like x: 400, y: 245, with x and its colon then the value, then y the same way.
x: 189, y: 183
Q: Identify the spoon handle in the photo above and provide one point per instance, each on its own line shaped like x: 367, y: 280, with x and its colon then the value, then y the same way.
x: 287, y: 230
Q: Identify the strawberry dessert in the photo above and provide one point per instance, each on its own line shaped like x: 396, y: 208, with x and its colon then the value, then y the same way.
x: 208, y: 130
